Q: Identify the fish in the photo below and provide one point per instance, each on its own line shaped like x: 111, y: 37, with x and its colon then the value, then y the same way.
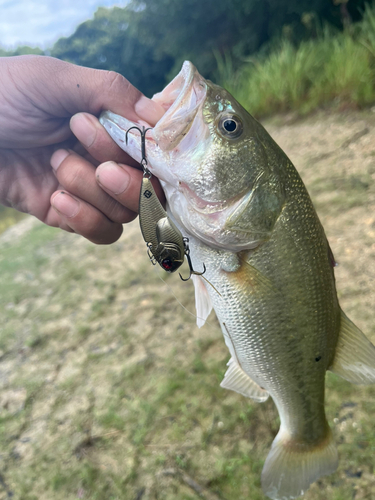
x: 269, y: 268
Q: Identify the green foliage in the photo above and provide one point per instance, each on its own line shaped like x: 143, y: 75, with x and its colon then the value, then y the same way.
x: 366, y: 29
x: 149, y: 39
x: 347, y: 74
x: 336, y: 68
x: 111, y: 41
x: 21, y: 51
x: 8, y: 216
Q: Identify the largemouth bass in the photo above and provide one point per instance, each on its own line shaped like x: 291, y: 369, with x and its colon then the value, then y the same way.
x: 237, y: 197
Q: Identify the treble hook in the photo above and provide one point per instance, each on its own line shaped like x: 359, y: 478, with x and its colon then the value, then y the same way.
x: 187, y: 253
x: 143, y: 144
x: 165, y: 243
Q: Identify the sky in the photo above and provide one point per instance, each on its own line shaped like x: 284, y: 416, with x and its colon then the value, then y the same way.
x: 39, y: 23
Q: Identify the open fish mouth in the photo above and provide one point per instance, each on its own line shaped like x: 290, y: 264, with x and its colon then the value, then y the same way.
x: 181, y: 99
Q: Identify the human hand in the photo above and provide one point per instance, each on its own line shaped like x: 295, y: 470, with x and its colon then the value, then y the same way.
x: 39, y: 98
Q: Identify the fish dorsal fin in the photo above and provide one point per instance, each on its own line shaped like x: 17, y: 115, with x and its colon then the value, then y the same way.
x: 355, y: 355
x: 203, y: 304
x: 235, y: 379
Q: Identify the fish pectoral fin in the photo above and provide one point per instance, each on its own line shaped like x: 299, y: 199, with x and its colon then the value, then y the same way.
x: 203, y: 304
x: 355, y: 355
x: 235, y: 379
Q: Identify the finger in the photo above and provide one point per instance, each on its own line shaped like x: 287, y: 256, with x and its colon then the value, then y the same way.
x: 77, y: 88
x: 75, y: 215
x: 123, y: 183
x: 97, y: 141
x: 77, y: 176
x: 62, y: 89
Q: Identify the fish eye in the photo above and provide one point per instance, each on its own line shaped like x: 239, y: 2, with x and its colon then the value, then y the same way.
x: 230, y: 126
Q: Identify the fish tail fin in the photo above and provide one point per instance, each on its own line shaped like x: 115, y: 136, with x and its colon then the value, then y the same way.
x: 292, y: 465
x: 355, y: 355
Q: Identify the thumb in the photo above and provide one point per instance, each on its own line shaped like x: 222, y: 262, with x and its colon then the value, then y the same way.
x: 115, y: 93
x: 73, y: 89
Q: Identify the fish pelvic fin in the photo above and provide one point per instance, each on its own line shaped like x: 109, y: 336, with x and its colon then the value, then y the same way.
x: 292, y: 465
x: 203, y: 304
x: 355, y: 355
x: 235, y: 379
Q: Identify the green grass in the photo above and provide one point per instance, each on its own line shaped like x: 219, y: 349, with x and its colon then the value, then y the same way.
x: 336, y: 70
x: 8, y: 217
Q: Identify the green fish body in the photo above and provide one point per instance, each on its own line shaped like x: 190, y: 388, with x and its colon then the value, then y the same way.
x: 270, y: 271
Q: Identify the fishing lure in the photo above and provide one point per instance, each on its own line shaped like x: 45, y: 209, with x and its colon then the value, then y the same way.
x: 165, y: 243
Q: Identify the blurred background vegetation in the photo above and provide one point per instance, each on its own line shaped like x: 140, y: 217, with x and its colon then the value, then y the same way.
x: 274, y: 55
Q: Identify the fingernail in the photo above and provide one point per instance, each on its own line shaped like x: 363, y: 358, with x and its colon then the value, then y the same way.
x: 58, y: 157
x: 65, y: 204
x: 149, y: 110
x: 83, y: 128
x: 112, y: 177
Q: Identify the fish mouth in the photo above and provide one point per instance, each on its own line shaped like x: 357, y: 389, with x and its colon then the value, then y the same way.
x: 181, y: 98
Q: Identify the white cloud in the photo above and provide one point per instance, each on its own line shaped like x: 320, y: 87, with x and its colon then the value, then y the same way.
x: 41, y: 23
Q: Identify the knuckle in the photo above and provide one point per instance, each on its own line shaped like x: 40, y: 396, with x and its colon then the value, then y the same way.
x: 118, y: 213
x: 131, y: 216
x: 128, y: 216
x: 70, y: 172
x: 105, y: 236
x: 94, y: 229
x: 95, y: 224
x: 115, y: 81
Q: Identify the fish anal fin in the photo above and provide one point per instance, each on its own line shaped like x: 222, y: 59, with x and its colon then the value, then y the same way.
x: 291, y: 465
x: 235, y: 379
x: 203, y: 304
x: 355, y: 355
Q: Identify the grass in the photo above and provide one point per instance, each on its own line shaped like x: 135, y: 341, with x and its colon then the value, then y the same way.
x: 335, y: 70
x: 8, y: 217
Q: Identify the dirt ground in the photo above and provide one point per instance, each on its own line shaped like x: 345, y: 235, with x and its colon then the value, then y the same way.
x: 108, y: 390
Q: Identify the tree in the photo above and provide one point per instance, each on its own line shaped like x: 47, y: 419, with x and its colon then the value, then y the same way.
x: 148, y: 40
x: 110, y: 42
x: 20, y: 51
